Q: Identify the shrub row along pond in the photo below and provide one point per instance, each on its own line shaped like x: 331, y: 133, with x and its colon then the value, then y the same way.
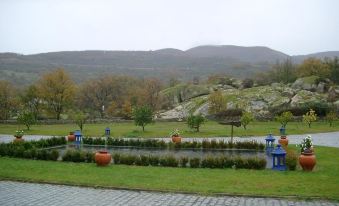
x: 33, y: 149
x: 171, y: 161
x: 205, y: 144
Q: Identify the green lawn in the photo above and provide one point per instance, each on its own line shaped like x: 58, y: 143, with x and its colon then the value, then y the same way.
x: 162, y: 129
x: 322, y: 183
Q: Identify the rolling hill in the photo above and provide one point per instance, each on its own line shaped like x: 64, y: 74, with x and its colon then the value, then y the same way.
x: 199, y: 61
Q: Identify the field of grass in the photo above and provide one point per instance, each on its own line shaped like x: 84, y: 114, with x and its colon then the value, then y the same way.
x: 323, y: 182
x: 162, y: 129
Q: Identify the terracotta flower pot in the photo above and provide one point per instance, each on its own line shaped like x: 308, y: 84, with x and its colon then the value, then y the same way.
x: 103, y: 158
x: 71, y: 137
x: 176, y: 139
x: 18, y: 139
x: 283, y: 141
x: 307, y: 161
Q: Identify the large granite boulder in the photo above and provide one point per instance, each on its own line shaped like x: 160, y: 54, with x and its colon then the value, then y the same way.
x: 304, y: 96
x: 184, y: 92
x: 306, y: 83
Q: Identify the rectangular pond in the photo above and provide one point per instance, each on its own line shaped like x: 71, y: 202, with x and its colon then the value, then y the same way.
x: 190, y: 153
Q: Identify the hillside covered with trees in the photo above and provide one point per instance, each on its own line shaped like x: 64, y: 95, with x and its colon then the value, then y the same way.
x: 312, y: 84
x: 201, y: 61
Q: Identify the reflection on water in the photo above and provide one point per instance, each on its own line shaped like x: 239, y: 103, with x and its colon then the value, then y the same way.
x: 190, y: 153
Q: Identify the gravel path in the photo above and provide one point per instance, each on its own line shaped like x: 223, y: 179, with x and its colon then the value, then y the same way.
x: 323, y: 139
x: 17, y: 193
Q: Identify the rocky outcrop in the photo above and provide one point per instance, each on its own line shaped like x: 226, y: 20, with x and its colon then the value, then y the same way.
x: 305, y: 83
x: 311, y: 83
x: 184, y: 92
x: 258, y: 100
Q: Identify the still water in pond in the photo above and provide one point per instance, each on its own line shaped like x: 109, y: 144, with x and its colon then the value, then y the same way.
x: 190, y: 153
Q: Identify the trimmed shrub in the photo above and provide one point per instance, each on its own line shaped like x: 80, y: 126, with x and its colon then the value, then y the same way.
x: 42, y: 155
x: 74, y: 156
x: 194, y: 162
x: 240, y: 163
x: 128, y: 159
x: 213, y: 162
x: 208, y: 162
x: 18, y: 151
x: 205, y: 144
x: 291, y: 159
x: 168, y: 161
x: 78, y: 156
x: 214, y: 144
x: 183, y: 161
x: 28, y: 154
x: 228, y: 162
x: 142, y: 160
x: 67, y: 156
x: 53, y: 155
x: 261, y: 164
x: 89, y: 157
x: 219, y: 162
x: 154, y: 160
x: 116, y: 158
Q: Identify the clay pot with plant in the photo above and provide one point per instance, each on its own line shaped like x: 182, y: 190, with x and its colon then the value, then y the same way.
x: 307, y: 159
x: 71, y: 137
x: 175, y: 135
x: 18, y: 136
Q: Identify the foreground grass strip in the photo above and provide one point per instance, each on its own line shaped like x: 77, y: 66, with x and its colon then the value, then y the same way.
x: 162, y: 129
x: 322, y: 183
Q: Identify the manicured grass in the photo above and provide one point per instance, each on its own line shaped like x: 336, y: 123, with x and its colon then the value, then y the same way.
x: 162, y: 129
x: 323, y: 182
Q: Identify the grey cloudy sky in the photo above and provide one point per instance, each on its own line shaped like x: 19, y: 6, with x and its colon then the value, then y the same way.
x: 290, y: 26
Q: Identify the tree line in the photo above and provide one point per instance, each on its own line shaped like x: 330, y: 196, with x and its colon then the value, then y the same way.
x: 288, y: 72
x: 55, y: 93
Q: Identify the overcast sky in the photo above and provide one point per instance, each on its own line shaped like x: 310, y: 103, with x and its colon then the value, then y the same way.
x: 291, y: 26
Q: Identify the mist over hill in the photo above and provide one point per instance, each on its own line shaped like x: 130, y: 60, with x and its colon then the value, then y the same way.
x: 199, y: 61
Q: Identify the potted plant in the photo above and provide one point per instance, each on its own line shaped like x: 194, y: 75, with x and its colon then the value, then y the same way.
x: 18, y: 135
x: 103, y: 158
x: 175, y: 135
x: 71, y: 137
x: 283, y: 138
x: 307, y: 158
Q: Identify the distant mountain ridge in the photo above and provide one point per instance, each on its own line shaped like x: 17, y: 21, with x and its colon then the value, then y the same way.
x: 164, y: 63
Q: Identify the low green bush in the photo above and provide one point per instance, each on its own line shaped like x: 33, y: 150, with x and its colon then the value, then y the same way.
x: 168, y: 161
x: 53, y: 155
x: 116, y: 158
x: 240, y: 163
x: 291, y: 159
x: 183, y: 161
x: 67, y: 156
x: 194, y: 162
x: 208, y: 162
x: 42, y: 155
x: 154, y: 160
x: 128, y: 159
x: 28, y: 154
x: 89, y: 157
x: 142, y: 160
x: 74, y: 156
x: 228, y: 162
x: 153, y: 143
x: 19, y: 151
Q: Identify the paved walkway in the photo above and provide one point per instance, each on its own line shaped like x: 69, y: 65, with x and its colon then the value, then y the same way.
x: 16, y: 193
x: 9, y: 138
x: 323, y: 139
